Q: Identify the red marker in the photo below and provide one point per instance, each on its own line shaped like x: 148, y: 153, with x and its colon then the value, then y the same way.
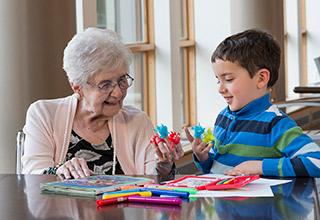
x: 103, y: 202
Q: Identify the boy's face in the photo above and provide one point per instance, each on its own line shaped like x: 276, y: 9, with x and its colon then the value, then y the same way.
x: 235, y: 84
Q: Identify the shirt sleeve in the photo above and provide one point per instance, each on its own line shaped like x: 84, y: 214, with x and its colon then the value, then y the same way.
x: 203, y: 166
x: 300, y: 156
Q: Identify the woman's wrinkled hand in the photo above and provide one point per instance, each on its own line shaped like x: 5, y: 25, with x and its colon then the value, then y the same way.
x: 167, y: 151
x: 74, y: 168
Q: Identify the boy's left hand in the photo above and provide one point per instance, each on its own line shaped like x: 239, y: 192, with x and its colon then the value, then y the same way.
x: 252, y: 167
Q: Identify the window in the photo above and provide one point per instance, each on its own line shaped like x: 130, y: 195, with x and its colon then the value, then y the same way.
x: 187, y: 53
x: 133, y: 21
x: 302, y: 43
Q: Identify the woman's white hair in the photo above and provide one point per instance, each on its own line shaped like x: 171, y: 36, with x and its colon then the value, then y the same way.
x: 90, y: 51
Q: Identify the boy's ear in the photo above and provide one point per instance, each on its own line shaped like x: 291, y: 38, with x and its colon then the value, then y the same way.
x: 263, y: 78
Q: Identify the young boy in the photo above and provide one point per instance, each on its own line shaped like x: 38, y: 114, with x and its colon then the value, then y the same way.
x: 252, y: 135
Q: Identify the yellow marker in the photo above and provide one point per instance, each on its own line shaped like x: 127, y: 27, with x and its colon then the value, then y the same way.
x: 228, y: 181
x: 143, y: 193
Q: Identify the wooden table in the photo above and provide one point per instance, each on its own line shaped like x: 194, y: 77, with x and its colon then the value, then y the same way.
x: 21, y: 199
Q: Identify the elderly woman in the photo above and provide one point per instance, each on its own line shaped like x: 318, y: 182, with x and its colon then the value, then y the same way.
x: 91, y: 131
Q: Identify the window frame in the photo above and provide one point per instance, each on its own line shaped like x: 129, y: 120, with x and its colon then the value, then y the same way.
x: 187, y: 44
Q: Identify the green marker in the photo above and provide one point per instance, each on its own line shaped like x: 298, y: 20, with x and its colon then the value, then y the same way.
x: 184, y: 189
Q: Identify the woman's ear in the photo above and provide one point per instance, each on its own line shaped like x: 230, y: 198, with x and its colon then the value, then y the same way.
x: 76, y: 89
x: 263, y: 78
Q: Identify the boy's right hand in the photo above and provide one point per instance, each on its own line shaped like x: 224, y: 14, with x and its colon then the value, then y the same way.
x: 199, y: 148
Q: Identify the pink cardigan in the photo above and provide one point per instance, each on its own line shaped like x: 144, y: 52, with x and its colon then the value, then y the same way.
x: 48, y: 129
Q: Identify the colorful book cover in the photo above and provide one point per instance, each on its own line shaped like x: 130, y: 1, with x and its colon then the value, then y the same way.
x: 93, y: 185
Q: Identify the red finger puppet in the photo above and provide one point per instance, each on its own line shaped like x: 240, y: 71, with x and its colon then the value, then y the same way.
x: 174, y: 138
x: 156, y: 140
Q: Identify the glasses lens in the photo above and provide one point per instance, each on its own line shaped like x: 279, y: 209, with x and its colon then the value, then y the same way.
x: 106, y: 87
x: 123, y: 83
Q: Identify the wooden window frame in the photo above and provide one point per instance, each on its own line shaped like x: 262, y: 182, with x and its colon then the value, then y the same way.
x: 187, y: 43
x: 147, y: 48
x: 303, y: 42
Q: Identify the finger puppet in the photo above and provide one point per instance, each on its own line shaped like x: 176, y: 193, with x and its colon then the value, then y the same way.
x: 174, y: 138
x: 162, y: 130
x: 198, y: 130
x: 208, y: 136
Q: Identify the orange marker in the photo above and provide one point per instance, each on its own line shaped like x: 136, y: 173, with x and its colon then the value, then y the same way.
x: 103, y: 202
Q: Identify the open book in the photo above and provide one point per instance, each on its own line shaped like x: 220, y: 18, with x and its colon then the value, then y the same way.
x: 93, y: 185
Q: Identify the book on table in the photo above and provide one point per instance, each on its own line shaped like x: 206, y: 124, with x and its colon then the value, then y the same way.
x: 93, y: 185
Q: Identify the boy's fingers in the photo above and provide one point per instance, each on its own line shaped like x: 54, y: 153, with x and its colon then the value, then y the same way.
x: 203, y: 147
x: 207, y: 148
x: 189, y: 136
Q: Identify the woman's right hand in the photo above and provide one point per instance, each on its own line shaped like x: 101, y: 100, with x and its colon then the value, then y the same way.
x: 199, y: 148
x: 74, y: 168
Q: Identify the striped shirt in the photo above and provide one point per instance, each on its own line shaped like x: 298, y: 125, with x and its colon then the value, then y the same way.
x: 260, y: 131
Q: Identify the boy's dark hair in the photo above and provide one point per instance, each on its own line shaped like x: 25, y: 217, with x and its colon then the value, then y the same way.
x: 253, y: 50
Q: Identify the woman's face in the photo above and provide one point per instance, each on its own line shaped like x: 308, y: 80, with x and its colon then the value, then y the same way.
x: 102, y: 96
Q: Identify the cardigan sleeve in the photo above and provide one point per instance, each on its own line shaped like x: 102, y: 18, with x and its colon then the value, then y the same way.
x: 39, y: 144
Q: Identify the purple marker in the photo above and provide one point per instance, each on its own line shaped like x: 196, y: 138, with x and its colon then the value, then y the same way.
x: 155, y: 200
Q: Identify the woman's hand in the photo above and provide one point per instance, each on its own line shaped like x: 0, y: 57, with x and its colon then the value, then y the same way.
x: 199, y: 148
x: 74, y: 168
x: 167, y: 151
x: 252, y: 167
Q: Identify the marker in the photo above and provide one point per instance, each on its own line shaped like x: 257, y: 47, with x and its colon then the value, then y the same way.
x: 144, y: 193
x: 185, y: 189
x: 221, y: 182
x: 158, y: 192
x: 229, y: 180
x: 181, y: 189
x: 122, y: 191
x: 103, y: 202
x: 128, y: 187
x: 155, y: 200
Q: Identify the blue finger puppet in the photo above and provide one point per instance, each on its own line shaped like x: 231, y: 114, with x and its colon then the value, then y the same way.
x: 198, y: 130
x: 162, y: 131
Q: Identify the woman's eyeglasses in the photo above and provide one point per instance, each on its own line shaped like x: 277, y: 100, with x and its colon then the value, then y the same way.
x: 107, y: 86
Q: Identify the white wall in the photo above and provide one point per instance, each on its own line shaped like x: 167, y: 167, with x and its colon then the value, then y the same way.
x: 212, y: 25
x: 33, y: 36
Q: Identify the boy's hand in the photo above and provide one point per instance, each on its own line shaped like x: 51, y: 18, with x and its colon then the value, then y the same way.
x: 252, y: 167
x: 199, y: 148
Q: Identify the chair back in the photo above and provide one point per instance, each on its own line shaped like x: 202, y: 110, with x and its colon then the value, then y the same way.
x: 20, y: 150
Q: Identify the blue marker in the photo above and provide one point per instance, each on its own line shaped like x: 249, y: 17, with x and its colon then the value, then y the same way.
x: 159, y: 192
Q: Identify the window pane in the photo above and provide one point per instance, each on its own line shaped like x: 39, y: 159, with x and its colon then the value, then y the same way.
x: 135, y: 94
x: 184, y: 88
x: 183, y: 20
x: 123, y: 16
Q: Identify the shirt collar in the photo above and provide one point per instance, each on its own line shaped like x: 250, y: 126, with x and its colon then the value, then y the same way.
x: 257, y: 105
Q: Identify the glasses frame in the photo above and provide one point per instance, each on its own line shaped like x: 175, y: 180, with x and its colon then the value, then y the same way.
x: 111, y: 87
